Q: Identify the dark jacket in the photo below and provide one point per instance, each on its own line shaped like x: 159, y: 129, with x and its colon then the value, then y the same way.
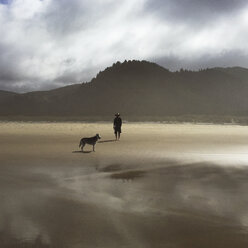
x: 117, y: 122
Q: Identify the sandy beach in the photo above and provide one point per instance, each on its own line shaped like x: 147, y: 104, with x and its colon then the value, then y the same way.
x: 161, y: 185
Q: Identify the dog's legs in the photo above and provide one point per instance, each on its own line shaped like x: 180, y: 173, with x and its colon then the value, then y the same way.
x: 82, y: 146
x: 93, y: 148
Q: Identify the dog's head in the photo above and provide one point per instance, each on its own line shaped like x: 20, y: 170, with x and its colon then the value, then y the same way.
x: 98, y: 136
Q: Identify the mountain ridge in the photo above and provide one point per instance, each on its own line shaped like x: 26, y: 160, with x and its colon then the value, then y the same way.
x: 140, y: 88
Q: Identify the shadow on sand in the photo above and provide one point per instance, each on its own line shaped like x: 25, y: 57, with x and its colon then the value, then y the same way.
x: 81, y: 151
x: 105, y: 141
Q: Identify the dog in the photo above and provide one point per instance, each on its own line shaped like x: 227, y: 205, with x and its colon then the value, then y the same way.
x: 90, y: 141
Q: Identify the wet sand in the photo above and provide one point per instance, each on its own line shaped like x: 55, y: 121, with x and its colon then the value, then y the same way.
x: 177, y: 185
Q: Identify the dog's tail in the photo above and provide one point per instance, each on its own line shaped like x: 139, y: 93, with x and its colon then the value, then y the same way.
x: 80, y: 143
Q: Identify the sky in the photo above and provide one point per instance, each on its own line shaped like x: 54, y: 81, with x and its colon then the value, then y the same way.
x: 47, y: 44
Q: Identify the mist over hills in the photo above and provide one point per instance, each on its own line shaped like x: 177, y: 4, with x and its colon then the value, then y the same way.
x: 136, y: 89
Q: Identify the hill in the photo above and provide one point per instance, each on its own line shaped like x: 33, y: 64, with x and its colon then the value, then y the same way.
x: 139, y: 89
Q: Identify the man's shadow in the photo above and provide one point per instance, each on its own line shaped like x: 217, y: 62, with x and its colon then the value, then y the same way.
x: 105, y: 141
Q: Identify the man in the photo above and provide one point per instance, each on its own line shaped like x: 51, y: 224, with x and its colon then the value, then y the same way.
x: 117, y: 126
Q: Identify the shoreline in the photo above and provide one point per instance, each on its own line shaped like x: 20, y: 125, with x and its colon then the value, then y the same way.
x: 31, y: 120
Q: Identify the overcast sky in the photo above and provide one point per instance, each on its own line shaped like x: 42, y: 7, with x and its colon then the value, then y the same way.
x: 51, y: 43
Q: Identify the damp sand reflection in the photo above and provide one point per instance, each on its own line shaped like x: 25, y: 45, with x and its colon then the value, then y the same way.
x: 160, y: 186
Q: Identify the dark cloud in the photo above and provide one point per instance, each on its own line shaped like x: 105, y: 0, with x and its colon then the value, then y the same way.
x: 73, y: 77
x: 65, y: 17
x: 9, y: 64
x: 14, y: 78
x: 195, y: 12
x: 4, y: 2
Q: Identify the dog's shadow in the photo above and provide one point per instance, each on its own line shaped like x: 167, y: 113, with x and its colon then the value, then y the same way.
x: 105, y: 141
x: 82, y: 151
